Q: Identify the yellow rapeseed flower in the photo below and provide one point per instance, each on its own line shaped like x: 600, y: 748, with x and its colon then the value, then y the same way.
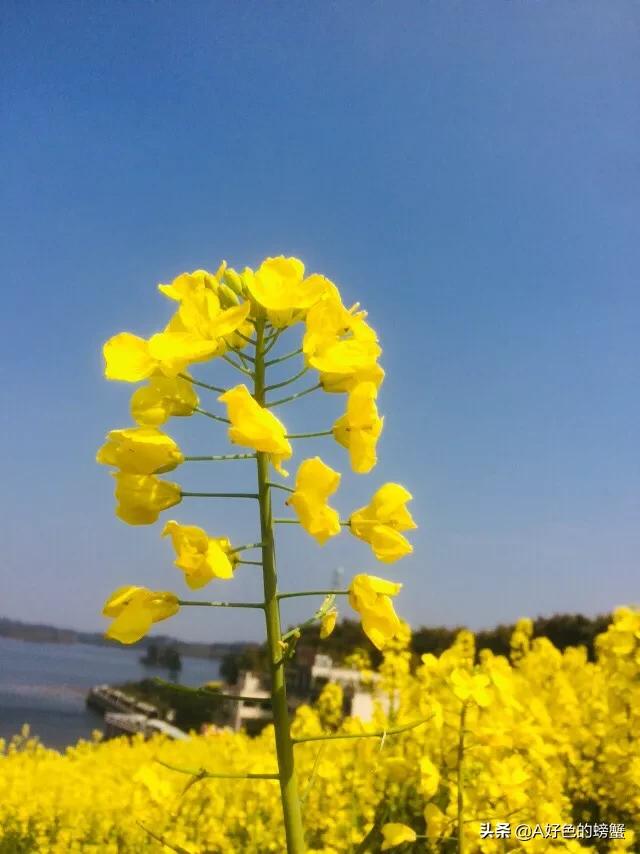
x: 140, y: 450
x: 436, y: 821
x: 471, y: 686
x: 130, y: 358
x: 429, y: 777
x: 200, y: 556
x: 315, y: 482
x: 360, y: 427
x: 337, y: 340
x: 328, y: 623
x: 343, y: 383
x: 163, y: 397
x: 135, y: 609
x: 188, y: 284
x: 142, y: 497
x: 255, y: 427
x: 396, y: 834
x: 566, y: 753
x: 380, y: 523
x: 279, y: 286
x: 200, y: 314
x: 371, y: 596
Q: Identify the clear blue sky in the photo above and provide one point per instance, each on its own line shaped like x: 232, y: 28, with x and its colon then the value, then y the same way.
x: 469, y: 171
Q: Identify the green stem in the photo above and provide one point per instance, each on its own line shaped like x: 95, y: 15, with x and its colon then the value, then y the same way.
x: 211, y: 415
x: 206, y: 692
x: 461, y: 828
x: 284, y: 746
x: 320, y: 614
x: 286, y: 521
x: 309, y: 435
x: 271, y: 341
x: 204, y: 604
x: 236, y: 365
x: 161, y: 839
x: 243, y: 356
x: 294, y: 396
x: 203, y: 774
x: 219, y: 457
x: 283, y: 358
x: 287, y: 382
x: 382, y: 733
x: 280, y: 486
x: 219, y: 494
x: 201, y: 384
x: 245, y: 363
x: 246, y: 547
x: 250, y: 562
x: 313, y: 593
x: 245, y: 338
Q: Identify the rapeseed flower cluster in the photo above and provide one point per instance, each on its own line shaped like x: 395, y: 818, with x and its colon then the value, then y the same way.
x: 216, y: 317
x: 541, y: 738
x: 238, y: 318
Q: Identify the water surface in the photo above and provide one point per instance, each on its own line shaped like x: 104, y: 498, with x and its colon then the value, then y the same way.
x: 45, y: 685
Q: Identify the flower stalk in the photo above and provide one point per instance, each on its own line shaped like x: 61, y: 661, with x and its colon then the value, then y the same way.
x: 383, y: 733
x: 216, y: 458
x: 284, y: 744
x: 460, y: 781
x: 293, y: 396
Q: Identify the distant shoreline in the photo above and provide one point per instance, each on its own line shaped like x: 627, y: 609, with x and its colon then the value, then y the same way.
x: 42, y: 633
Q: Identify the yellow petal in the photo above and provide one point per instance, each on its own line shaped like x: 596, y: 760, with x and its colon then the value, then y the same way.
x: 141, y: 498
x: 140, y: 450
x: 395, y: 834
x: 153, y: 404
x: 118, y: 599
x: 187, y: 284
x: 127, y: 358
x: 328, y: 623
x: 255, y: 427
x: 131, y: 625
x: 175, y: 351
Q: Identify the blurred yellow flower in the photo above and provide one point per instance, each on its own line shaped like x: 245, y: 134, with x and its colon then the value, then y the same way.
x: 429, y: 777
x: 436, y: 821
x: 471, y: 686
x: 315, y: 482
x: 396, y: 834
x: 328, y: 623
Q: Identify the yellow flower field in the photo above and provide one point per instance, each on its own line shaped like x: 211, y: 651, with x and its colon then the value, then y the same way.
x: 547, y: 739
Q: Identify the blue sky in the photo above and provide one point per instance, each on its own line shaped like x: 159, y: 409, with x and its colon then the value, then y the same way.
x: 468, y: 171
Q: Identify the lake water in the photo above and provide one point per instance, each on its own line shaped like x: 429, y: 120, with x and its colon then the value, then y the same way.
x: 45, y: 685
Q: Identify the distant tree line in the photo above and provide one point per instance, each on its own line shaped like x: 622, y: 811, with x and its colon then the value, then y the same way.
x: 41, y: 633
x: 563, y: 630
